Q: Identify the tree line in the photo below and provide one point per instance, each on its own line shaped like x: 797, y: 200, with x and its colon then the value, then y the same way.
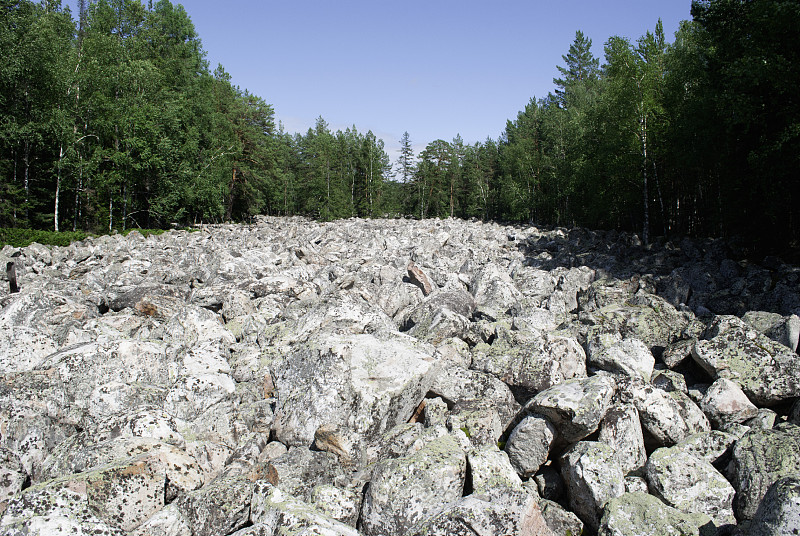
x: 115, y: 120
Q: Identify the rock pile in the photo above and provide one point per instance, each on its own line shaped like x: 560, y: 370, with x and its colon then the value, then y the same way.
x: 390, y: 377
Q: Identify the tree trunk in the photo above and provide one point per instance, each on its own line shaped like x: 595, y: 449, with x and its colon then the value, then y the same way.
x: 58, y: 187
x: 26, y: 161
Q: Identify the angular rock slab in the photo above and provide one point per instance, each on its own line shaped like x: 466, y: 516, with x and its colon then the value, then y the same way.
x: 593, y: 476
x: 767, y: 371
x: 455, y: 384
x: 621, y: 430
x: 220, y: 507
x: 640, y: 514
x: 690, y: 484
x: 46, y: 511
x: 725, y: 403
x: 529, y: 360
x: 575, y: 407
x: 360, y: 384
x: 476, y: 515
x: 668, y: 417
x: 779, y: 511
x: 404, y: 491
x: 612, y: 353
x: 760, y: 458
x: 276, y: 512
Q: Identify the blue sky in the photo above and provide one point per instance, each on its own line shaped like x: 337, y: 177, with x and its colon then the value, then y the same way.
x: 434, y: 68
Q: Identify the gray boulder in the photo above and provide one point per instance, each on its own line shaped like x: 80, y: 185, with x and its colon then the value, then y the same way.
x: 621, y: 429
x: 767, y: 371
x: 759, y: 459
x: 640, y: 514
x: 404, y: 491
x: 782, y: 329
x: 610, y: 352
x: 725, y: 403
x: 779, y: 511
x: 690, y: 484
x: 575, y: 407
x: 529, y: 444
x: 361, y: 384
x: 528, y: 360
x: 592, y: 476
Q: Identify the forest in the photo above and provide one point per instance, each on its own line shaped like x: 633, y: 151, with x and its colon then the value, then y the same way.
x: 115, y: 120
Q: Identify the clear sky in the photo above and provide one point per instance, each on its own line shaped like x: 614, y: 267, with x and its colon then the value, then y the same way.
x: 434, y: 68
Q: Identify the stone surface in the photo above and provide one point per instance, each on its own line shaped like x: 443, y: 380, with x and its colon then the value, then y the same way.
x: 690, y: 484
x: 768, y: 372
x: 621, y: 430
x: 640, y: 514
x: 725, y: 403
x: 529, y: 444
x: 575, y: 407
x: 404, y: 491
x: 592, y: 476
x: 759, y: 459
x: 779, y: 511
x: 142, y: 379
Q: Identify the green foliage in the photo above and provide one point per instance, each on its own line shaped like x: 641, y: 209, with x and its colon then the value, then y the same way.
x: 119, y: 123
x: 19, y: 237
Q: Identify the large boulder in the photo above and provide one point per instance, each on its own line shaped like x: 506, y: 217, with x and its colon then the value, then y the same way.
x: 361, y: 384
x: 640, y: 514
x: 768, y: 372
x: 690, y: 484
x: 575, y: 407
x: 530, y: 361
x: 779, y: 511
x: 593, y: 476
x: 759, y: 459
x: 404, y: 491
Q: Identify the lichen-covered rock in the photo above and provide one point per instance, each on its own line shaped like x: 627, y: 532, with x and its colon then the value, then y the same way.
x: 495, y: 292
x: 560, y: 520
x: 709, y: 446
x: 667, y: 417
x: 42, y: 511
x: 782, y: 329
x: 621, y: 430
x: 592, y: 476
x: 340, y: 504
x: 476, y: 515
x: 491, y: 472
x: 610, y: 352
x: 404, y: 491
x: 168, y: 521
x: 725, y: 403
x: 690, y: 484
x: 529, y: 444
x: 275, y: 512
x: 455, y: 384
x: 220, y: 507
x: 575, y: 407
x: 300, y: 469
x: 759, y: 459
x: 12, y: 476
x: 640, y: 514
x: 530, y: 361
x: 779, y: 511
x: 362, y: 384
x: 440, y: 316
x: 768, y: 372
x: 481, y: 424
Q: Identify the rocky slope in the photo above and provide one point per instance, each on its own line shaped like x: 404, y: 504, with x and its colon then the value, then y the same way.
x: 391, y: 377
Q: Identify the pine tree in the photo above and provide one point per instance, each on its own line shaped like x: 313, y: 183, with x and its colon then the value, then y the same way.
x: 581, y: 67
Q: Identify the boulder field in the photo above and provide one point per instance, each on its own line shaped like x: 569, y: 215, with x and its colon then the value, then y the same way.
x: 398, y: 377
